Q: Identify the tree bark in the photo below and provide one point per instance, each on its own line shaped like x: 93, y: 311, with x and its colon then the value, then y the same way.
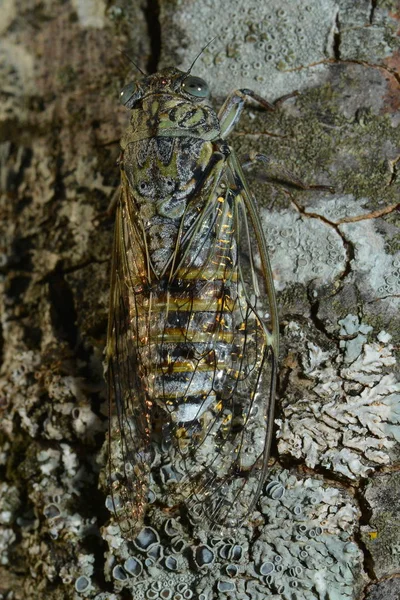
x: 326, y: 523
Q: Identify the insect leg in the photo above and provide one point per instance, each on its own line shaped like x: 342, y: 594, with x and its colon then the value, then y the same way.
x: 232, y: 108
x: 277, y: 173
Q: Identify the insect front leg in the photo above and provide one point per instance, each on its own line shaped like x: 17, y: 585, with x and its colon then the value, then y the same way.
x: 233, y: 106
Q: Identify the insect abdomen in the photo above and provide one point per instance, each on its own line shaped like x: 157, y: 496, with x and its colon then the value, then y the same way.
x: 186, y: 346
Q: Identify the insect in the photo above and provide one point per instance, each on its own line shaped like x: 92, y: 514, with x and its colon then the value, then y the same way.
x: 193, y: 334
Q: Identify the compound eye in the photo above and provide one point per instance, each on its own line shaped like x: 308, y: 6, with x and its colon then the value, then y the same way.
x: 195, y: 86
x: 128, y: 92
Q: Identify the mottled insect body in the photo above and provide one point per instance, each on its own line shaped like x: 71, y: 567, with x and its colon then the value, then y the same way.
x: 192, y: 339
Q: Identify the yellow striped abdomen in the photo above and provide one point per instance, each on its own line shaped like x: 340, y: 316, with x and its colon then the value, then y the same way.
x: 187, y: 341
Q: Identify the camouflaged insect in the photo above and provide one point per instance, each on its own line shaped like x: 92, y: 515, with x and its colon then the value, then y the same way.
x: 193, y: 334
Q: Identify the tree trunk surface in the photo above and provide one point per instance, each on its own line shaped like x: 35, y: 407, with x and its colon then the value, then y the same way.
x: 326, y: 525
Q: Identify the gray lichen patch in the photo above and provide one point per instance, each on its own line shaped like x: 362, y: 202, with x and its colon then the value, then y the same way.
x: 302, y: 249
x: 16, y: 73
x: 300, y: 541
x: 289, y: 44
x: 10, y: 502
x: 57, y: 517
x: 90, y: 14
x: 381, y: 535
x: 60, y: 416
x: 255, y: 42
x: 347, y: 416
x: 374, y: 270
x: 307, y: 540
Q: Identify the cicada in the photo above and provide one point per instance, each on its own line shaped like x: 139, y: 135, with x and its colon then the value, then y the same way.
x: 193, y: 333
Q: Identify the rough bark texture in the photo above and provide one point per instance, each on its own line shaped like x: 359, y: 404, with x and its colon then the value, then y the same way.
x: 326, y: 526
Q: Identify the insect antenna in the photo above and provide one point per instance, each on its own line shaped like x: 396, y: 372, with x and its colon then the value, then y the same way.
x: 131, y: 61
x: 200, y: 53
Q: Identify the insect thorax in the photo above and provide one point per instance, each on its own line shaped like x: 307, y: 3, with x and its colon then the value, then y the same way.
x: 170, y: 115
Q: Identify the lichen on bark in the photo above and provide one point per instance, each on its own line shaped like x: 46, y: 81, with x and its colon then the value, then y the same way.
x: 320, y: 525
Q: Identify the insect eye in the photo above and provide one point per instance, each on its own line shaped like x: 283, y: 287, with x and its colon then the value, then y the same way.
x: 195, y: 86
x: 127, y: 92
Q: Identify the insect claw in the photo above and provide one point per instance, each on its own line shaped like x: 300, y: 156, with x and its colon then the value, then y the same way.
x: 283, y: 99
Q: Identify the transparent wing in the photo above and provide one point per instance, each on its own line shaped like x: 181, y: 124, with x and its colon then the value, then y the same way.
x: 206, y: 333
x: 129, y: 440
x: 222, y: 452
